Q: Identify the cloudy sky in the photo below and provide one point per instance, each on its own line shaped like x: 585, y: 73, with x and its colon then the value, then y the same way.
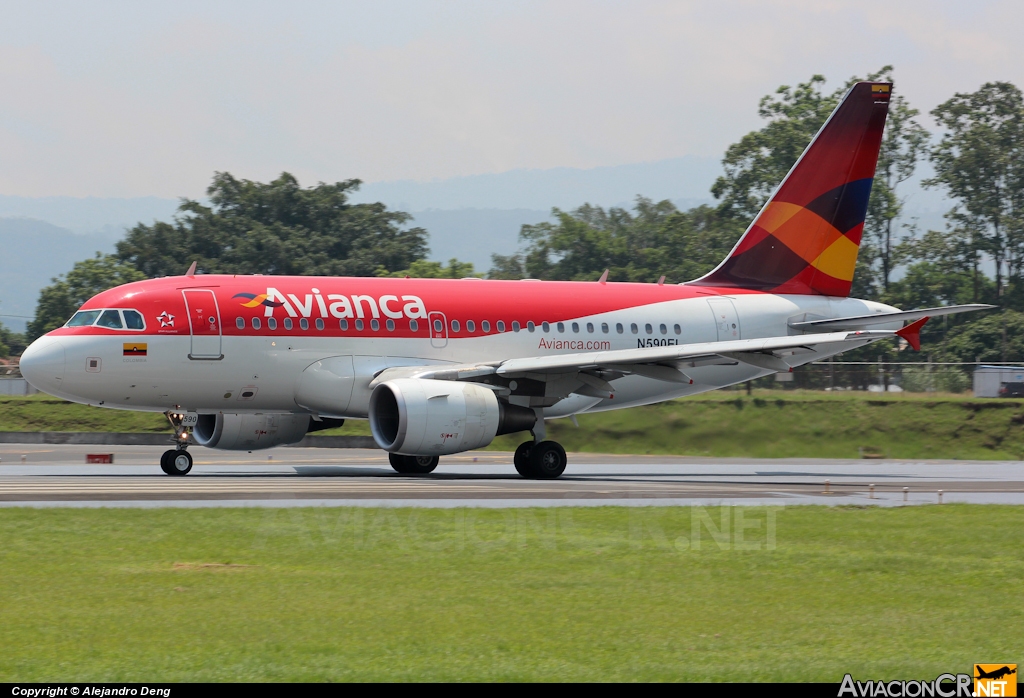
x: 145, y: 98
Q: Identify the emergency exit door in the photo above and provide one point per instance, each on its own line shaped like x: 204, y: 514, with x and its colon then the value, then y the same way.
x: 727, y: 323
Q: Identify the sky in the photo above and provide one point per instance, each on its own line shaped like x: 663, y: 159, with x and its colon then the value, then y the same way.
x: 132, y: 99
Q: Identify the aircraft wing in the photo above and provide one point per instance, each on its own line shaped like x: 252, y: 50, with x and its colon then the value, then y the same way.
x: 593, y: 370
x: 775, y: 353
x: 862, y: 321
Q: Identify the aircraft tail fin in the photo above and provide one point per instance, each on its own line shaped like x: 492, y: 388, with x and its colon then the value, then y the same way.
x: 806, y: 238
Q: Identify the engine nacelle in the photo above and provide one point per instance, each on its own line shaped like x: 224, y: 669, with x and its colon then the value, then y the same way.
x: 249, y: 432
x: 423, y: 417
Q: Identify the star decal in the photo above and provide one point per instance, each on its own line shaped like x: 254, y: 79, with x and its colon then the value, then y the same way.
x: 166, y: 319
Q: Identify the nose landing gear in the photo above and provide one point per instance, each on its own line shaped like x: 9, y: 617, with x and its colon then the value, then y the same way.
x: 177, y: 461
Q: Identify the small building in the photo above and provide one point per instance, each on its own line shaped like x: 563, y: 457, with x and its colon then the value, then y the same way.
x: 16, y: 386
x: 999, y: 381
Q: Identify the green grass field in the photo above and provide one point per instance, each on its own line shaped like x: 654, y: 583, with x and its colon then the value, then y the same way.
x: 585, y: 594
x: 769, y: 424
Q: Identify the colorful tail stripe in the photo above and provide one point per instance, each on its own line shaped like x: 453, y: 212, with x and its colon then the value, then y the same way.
x: 805, y: 240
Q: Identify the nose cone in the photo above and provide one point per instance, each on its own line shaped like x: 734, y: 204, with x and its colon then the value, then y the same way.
x: 42, y: 364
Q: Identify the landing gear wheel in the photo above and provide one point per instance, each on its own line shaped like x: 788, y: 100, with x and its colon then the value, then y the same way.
x: 165, y: 461
x: 413, y: 465
x: 522, y: 459
x: 176, y: 462
x: 547, y: 460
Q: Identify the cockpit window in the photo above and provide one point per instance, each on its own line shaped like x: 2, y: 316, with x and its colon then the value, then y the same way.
x: 83, y: 318
x: 110, y: 319
x: 133, y: 320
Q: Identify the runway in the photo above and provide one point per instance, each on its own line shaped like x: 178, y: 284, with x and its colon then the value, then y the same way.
x: 38, y: 475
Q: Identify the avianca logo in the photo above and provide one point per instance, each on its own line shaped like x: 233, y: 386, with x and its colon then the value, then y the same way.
x: 252, y: 300
x: 336, y: 305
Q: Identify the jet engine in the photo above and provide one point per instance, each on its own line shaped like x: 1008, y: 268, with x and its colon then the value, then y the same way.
x: 249, y: 432
x: 423, y: 417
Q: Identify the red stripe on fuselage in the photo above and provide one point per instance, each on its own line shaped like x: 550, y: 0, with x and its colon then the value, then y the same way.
x: 458, y: 299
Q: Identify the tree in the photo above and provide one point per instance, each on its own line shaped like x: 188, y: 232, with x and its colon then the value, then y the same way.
x: 276, y: 228
x: 980, y: 162
x: 422, y: 269
x: 903, y: 146
x: 756, y: 164
x: 11, y: 343
x: 655, y: 240
x: 60, y: 300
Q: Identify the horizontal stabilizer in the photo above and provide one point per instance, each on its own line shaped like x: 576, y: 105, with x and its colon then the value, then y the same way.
x: 912, y: 333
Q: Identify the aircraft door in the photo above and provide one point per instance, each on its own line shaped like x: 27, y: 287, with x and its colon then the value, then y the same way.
x: 204, y: 323
x: 727, y: 322
x: 438, y: 330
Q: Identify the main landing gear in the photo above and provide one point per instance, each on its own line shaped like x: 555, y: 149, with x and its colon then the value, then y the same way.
x: 413, y: 465
x: 540, y: 460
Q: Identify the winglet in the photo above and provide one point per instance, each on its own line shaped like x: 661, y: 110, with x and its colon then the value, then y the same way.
x: 192, y: 269
x: 912, y: 333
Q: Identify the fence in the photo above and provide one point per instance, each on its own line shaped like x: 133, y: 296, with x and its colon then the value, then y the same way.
x: 883, y: 376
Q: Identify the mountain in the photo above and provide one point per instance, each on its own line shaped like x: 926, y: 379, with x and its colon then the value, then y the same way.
x: 91, y: 215
x: 688, y: 177
x: 34, y: 252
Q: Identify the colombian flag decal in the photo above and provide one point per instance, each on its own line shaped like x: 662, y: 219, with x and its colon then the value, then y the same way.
x: 135, y: 348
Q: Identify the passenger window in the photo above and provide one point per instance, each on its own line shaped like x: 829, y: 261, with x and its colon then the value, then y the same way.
x: 320, y: 323
x: 374, y: 325
x: 390, y: 324
x: 359, y: 325
x: 530, y: 326
x: 343, y: 325
x: 515, y: 325
x: 633, y: 328
x: 414, y: 326
x: 501, y: 325
x: 663, y: 328
x: 618, y: 327
x: 545, y: 326
x: 110, y: 319
x: 256, y: 323
x: 561, y: 328
x: 240, y: 323
x: 287, y: 323
x: 133, y: 320
x: 271, y: 323
x: 575, y: 327
x: 678, y: 329
x: 438, y: 327
x: 455, y: 325
x: 304, y: 323
x: 485, y: 326
x: 604, y: 327
x: 83, y: 318
x: 590, y: 327
x: 649, y: 328
x: 470, y: 326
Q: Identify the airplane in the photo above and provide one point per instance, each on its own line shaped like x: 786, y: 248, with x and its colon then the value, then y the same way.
x: 442, y: 366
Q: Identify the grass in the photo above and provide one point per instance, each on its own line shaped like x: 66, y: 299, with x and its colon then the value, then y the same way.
x: 769, y: 424
x: 590, y: 594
